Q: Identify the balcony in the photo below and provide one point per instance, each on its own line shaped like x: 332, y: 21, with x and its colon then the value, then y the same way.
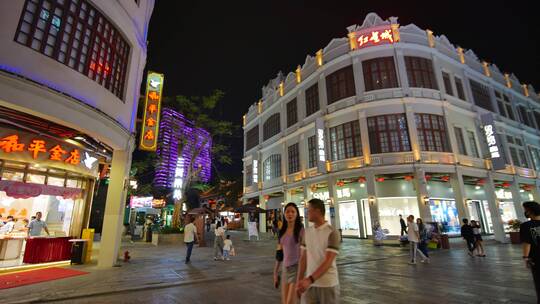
x: 351, y: 163
x: 525, y: 172
x: 392, y: 158
x: 437, y: 158
x: 251, y: 188
x: 295, y: 177
x: 468, y: 161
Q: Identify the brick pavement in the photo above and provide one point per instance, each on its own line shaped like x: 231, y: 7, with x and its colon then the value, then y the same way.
x: 368, y: 275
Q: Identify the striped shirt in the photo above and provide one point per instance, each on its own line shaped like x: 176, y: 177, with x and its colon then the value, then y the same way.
x: 316, y: 242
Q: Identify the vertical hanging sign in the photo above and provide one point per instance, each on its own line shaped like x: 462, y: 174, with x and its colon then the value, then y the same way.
x: 494, y: 146
x: 152, y: 109
x: 321, y: 150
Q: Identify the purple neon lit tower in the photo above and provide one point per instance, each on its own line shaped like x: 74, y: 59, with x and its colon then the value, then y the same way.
x: 175, y: 128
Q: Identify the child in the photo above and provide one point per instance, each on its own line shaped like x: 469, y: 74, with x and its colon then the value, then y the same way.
x: 227, y: 246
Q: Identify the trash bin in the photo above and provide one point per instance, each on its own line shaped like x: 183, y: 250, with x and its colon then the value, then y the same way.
x: 78, y: 249
x: 445, y: 242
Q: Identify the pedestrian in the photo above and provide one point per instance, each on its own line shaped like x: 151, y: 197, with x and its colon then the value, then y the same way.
x: 36, y: 225
x: 208, y: 224
x: 275, y: 229
x: 288, y: 253
x: 478, y: 242
x: 468, y: 235
x: 190, y: 236
x: 414, y: 238
x: 317, y: 272
x: 424, y: 238
x: 529, y: 233
x: 8, y: 226
x: 218, y: 241
x: 227, y: 248
x: 403, y: 225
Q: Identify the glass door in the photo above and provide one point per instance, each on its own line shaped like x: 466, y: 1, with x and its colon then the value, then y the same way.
x: 348, y: 218
x: 366, y: 218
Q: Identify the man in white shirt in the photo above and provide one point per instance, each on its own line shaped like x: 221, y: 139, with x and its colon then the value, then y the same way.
x: 317, y: 272
x: 8, y: 227
x: 190, y: 235
x: 414, y: 237
x: 36, y: 225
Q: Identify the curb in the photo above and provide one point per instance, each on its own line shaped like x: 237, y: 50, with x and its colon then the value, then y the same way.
x: 149, y: 286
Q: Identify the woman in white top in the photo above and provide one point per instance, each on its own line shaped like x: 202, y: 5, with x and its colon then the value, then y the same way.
x: 478, y: 238
x: 218, y: 241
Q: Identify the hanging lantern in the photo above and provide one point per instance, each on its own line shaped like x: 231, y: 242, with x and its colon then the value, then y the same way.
x: 505, y: 185
x: 313, y: 188
x: 340, y: 183
x: 380, y: 179
x: 408, y: 178
x: 481, y: 182
x: 361, y: 179
x: 266, y: 197
x: 527, y: 187
x: 445, y: 178
x: 428, y: 177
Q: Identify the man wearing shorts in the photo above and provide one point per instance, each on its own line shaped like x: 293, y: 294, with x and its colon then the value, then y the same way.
x: 317, y: 274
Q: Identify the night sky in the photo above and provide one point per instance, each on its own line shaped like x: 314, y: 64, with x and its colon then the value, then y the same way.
x: 238, y: 46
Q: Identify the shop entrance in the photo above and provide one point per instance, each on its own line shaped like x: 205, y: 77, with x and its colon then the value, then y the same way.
x: 479, y: 211
x: 348, y: 218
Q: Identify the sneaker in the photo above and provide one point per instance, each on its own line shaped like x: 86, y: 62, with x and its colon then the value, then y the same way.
x: 428, y: 260
x: 227, y: 259
x: 215, y: 259
x: 412, y: 263
x: 423, y: 261
x: 470, y: 254
x: 222, y: 258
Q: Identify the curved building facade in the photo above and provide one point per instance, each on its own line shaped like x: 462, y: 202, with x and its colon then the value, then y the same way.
x: 70, y: 73
x: 395, y: 120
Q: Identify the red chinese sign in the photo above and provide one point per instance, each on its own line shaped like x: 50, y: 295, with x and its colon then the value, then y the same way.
x: 152, y: 107
x: 374, y: 36
x: 27, y: 147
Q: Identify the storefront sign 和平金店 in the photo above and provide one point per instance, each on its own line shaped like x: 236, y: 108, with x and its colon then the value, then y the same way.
x: 31, y: 148
x: 152, y: 109
x: 494, y: 146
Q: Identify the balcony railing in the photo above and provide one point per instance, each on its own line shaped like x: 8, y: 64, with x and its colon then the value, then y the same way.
x: 525, y: 172
x: 437, y: 158
x: 471, y: 161
x: 392, y: 158
x: 351, y: 163
x: 295, y: 177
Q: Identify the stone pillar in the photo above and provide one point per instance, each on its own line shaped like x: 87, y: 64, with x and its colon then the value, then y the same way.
x: 493, y: 204
x: 332, y: 191
x: 402, y: 72
x: 420, y: 186
x: 516, y: 199
x: 262, y: 215
x: 456, y: 180
x: 307, y: 197
x: 323, y: 98
x: 364, y: 137
x: 358, y: 77
x: 114, y: 208
x: 413, y: 132
x: 372, y: 197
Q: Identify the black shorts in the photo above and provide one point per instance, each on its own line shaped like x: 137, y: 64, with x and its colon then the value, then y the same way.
x: 478, y: 237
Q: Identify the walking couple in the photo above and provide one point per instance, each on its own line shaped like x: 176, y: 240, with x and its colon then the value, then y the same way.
x: 418, y: 236
x: 472, y: 235
x: 307, y: 257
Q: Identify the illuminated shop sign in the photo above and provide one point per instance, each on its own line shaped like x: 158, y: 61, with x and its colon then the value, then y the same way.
x: 494, y: 147
x: 374, y: 36
x: 27, y: 147
x: 178, y: 179
x: 152, y: 108
x: 323, y: 196
x: 141, y: 201
x: 255, y: 171
x: 321, y: 151
x: 344, y: 193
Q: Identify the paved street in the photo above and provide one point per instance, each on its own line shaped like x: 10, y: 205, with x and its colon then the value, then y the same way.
x: 368, y: 275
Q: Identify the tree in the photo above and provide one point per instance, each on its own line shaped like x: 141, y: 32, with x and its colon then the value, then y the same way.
x: 202, y: 111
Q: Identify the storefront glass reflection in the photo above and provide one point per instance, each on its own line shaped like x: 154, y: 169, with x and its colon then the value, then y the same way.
x: 444, y: 211
x: 391, y: 207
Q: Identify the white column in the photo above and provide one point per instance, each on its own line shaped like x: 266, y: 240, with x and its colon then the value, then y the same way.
x: 307, y: 197
x: 364, y: 137
x: 493, y: 204
x: 262, y: 215
x: 421, y: 193
x: 516, y: 199
x: 333, y: 196
x: 114, y: 208
x: 456, y: 180
x: 402, y: 72
x: 323, y: 97
x: 413, y: 132
x: 372, y: 193
x: 358, y: 77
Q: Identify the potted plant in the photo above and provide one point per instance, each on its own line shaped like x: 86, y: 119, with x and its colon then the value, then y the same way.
x: 513, y: 229
x: 168, y: 235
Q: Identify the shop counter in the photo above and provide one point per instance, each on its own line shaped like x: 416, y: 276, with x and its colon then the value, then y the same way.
x: 10, y: 247
x: 47, y: 249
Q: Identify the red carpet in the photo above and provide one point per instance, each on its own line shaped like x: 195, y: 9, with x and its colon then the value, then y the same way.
x: 36, y: 276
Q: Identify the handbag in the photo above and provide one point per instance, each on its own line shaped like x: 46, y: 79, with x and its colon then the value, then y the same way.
x: 432, y: 245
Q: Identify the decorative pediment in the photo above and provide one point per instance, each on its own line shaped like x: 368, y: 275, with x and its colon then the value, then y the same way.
x: 514, y: 78
x: 411, y: 29
x: 495, y: 68
x: 371, y: 20
x: 471, y: 54
x: 335, y: 43
x: 443, y: 40
x: 290, y: 77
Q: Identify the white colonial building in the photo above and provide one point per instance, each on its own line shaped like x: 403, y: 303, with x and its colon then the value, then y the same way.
x: 395, y: 120
x: 70, y: 79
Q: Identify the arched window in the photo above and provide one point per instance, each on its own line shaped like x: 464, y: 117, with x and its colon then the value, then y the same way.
x: 271, y: 126
x: 272, y: 167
